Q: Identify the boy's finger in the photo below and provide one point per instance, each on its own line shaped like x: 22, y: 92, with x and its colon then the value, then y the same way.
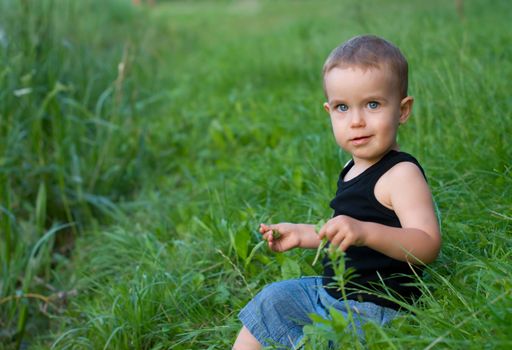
x: 270, y: 227
x: 344, y: 245
x: 274, y: 227
x: 264, y: 228
x: 322, y: 232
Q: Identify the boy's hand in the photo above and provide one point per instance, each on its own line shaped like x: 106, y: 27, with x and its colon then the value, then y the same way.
x: 281, y: 237
x: 343, y: 231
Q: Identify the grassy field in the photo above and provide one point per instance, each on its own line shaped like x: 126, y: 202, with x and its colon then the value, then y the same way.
x: 142, y: 146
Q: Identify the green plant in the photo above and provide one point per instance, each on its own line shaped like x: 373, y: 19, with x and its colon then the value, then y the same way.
x: 213, y: 125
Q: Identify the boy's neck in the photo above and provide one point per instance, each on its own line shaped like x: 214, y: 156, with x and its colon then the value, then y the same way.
x: 360, y: 165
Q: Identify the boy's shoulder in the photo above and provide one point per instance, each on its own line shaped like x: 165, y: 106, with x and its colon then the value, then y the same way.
x: 402, y: 164
x: 403, y: 167
x: 405, y: 175
x: 403, y: 171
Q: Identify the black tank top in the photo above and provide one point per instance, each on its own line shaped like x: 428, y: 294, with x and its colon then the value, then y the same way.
x: 356, y: 198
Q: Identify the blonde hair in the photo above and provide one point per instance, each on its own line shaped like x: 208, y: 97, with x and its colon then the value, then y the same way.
x: 370, y: 51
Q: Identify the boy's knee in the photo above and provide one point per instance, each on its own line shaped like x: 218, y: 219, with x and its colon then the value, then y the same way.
x: 270, y: 296
x: 280, y: 296
x: 279, y: 290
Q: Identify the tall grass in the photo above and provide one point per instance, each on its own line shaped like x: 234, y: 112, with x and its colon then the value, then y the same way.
x: 72, y: 141
x: 215, y: 126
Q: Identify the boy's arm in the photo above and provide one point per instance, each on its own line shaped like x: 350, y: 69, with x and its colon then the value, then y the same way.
x: 409, y: 196
x: 290, y: 236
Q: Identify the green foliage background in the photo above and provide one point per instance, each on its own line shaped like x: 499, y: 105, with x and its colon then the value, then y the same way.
x: 142, y: 146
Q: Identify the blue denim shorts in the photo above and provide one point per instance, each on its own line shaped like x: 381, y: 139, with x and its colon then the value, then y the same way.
x: 277, y: 314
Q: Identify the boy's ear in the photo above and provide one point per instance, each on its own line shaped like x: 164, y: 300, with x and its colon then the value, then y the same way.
x: 327, y: 107
x: 405, y: 108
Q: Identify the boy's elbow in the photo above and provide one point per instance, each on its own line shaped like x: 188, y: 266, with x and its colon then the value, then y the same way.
x: 428, y: 252
x: 435, y: 249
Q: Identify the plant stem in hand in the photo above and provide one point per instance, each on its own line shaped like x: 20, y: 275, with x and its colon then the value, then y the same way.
x: 322, y: 244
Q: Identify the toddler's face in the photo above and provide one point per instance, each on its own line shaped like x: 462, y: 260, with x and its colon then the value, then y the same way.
x: 365, y: 109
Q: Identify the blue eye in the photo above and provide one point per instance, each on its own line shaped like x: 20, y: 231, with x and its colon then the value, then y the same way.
x: 373, y: 105
x: 342, y: 107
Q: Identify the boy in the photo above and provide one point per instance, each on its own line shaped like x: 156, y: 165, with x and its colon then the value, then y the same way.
x: 384, y: 218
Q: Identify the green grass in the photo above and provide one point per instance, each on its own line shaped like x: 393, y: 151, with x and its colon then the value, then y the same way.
x: 131, y: 199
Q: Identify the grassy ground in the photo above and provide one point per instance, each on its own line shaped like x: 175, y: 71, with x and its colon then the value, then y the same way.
x: 141, y: 148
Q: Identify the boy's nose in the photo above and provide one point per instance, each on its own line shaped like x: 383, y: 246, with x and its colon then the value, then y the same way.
x: 357, y: 118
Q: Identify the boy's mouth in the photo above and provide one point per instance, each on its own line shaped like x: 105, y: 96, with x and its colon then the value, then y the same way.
x: 360, y: 140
